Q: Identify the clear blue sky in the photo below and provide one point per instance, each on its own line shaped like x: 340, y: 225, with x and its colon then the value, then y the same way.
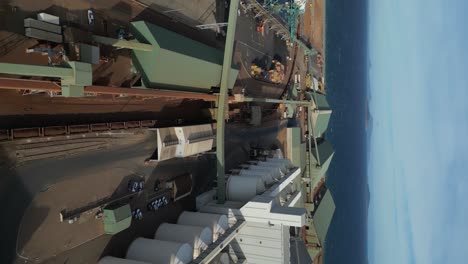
x: 418, y: 162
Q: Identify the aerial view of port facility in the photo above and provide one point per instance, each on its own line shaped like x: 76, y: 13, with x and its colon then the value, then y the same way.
x: 157, y: 131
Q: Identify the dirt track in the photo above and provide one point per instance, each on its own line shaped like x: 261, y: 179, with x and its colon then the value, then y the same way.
x: 313, y: 24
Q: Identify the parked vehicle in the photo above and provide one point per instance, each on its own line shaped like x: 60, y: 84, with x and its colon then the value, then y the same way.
x: 137, y: 214
x: 158, y: 203
x: 135, y: 185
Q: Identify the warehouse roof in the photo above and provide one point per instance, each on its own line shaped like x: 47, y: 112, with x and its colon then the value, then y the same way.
x: 323, y: 216
x: 325, y: 152
x: 321, y: 114
x: 319, y: 100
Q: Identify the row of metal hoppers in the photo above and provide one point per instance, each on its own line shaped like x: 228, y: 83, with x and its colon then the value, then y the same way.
x: 177, y: 243
x: 194, y: 232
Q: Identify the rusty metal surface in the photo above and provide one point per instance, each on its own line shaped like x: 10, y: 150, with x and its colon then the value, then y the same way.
x: 53, y: 131
x: 20, y: 84
x: 148, y: 93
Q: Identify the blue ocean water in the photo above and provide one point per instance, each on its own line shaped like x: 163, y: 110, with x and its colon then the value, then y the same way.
x: 347, y: 82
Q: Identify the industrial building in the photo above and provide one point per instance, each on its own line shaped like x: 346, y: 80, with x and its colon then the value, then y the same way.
x: 262, y: 207
x: 183, y: 141
x: 160, y: 146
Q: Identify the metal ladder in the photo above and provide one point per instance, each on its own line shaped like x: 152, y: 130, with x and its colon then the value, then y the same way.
x: 223, y: 241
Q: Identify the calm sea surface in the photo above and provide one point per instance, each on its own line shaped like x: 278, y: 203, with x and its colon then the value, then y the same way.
x: 346, y: 77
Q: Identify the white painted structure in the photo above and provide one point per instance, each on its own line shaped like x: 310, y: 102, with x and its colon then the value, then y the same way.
x: 48, y: 18
x: 180, y: 142
x: 158, y: 251
x: 255, y: 222
x: 269, y: 215
x: 218, y: 223
x: 114, y: 260
x: 244, y: 188
x: 266, y: 177
x: 199, y: 238
x: 222, y: 258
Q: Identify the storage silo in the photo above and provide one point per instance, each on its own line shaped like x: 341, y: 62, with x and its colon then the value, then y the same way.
x: 265, y: 175
x: 216, y: 222
x: 196, y: 236
x: 284, y: 166
x: 242, y: 189
x: 158, y: 251
x: 274, y: 171
x: 284, y: 162
x: 114, y: 260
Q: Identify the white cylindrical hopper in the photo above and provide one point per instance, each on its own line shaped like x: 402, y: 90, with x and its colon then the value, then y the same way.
x: 158, y: 251
x: 275, y: 172
x: 217, y: 223
x: 114, y: 260
x: 279, y: 166
x: 242, y: 189
x: 196, y: 236
x: 265, y: 175
x: 222, y: 258
x: 278, y: 154
x: 286, y: 162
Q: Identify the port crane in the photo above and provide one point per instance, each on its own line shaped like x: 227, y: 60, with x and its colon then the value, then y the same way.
x: 290, y: 12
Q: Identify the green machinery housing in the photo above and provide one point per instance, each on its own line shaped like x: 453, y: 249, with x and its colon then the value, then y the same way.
x: 176, y: 62
x: 166, y: 60
x: 117, y: 217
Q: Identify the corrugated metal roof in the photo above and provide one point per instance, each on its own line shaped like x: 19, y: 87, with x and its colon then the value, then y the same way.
x: 323, y: 216
x: 319, y: 100
x: 326, y: 153
x: 320, y: 118
x: 177, y: 62
x: 296, y: 149
x: 321, y: 124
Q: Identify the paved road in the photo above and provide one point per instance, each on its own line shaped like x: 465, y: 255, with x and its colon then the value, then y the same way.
x: 20, y: 185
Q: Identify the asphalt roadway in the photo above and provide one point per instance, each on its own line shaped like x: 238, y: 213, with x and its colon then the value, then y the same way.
x: 38, y: 190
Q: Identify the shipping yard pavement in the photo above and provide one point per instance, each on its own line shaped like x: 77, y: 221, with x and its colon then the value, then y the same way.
x: 34, y: 193
x: 251, y: 45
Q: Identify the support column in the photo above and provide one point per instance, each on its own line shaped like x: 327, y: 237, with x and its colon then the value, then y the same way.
x: 222, y: 101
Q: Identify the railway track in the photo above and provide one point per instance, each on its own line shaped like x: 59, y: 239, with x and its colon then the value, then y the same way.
x: 65, y: 130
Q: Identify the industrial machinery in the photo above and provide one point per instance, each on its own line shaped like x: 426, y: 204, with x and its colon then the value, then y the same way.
x: 180, y: 186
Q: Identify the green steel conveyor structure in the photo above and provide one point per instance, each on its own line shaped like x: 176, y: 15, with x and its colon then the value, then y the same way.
x: 223, y: 94
x: 176, y: 62
x: 74, y: 75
